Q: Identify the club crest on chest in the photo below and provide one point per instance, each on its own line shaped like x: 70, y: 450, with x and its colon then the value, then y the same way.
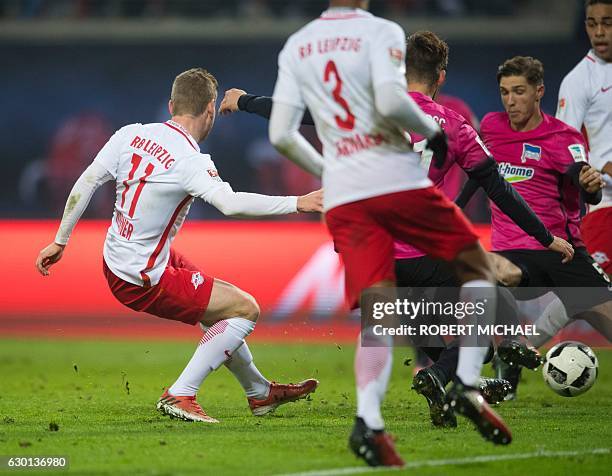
x: 531, y: 152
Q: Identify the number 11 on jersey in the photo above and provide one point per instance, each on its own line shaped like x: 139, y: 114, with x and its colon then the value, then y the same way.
x: 136, y: 160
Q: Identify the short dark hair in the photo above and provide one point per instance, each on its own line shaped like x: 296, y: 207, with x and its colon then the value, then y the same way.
x: 531, y: 68
x: 426, y: 57
x: 192, y: 90
x: 588, y: 3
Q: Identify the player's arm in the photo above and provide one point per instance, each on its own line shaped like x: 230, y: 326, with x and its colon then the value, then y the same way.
x: 198, y: 182
x: 394, y: 104
x: 239, y: 100
x: 571, y: 109
x: 573, y: 100
x: 285, y: 136
x: 102, y: 169
x: 574, y: 164
x: 466, y: 193
x: 388, y: 69
x: 92, y: 178
x: 589, y: 180
x: 286, y: 117
x: 244, y: 204
x: 510, y: 202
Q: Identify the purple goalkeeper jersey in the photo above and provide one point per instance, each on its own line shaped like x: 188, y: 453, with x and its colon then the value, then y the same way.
x: 465, y: 149
x: 535, y: 163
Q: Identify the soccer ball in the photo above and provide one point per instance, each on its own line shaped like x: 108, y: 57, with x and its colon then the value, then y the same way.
x: 570, y: 368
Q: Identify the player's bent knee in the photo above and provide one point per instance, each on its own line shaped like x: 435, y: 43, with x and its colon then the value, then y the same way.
x: 245, y: 306
x: 229, y: 301
x: 506, y: 272
x: 251, y: 308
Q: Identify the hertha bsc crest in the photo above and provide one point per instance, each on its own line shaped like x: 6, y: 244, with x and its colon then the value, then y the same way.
x: 196, y: 280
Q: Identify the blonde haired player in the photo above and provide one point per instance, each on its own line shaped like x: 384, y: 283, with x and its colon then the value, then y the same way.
x: 159, y: 171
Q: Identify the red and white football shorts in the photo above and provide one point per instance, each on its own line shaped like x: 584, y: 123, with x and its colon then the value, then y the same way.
x: 182, y: 293
x: 364, y: 232
x: 596, y: 233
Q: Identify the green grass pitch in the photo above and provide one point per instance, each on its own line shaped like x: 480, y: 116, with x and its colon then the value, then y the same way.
x: 95, y: 403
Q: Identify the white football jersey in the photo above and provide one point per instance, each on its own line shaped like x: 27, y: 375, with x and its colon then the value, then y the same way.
x: 158, y: 169
x: 585, y: 100
x: 333, y: 66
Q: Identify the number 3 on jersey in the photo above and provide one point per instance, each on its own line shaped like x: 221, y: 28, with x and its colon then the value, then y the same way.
x: 347, y: 123
x: 136, y: 160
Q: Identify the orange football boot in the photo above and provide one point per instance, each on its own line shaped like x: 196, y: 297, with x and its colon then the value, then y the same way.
x: 185, y: 408
x: 281, y: 394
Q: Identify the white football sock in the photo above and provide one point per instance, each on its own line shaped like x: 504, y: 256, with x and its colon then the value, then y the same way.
x: 217, y: 345
x: 241, y: 364
x: 372, y: 371
x: 470, y: 364
x: 471, y: 358
x: 552, y: 320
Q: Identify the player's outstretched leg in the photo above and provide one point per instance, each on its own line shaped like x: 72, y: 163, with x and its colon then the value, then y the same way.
x: 552, y: 320
x: 474, y: 271
x: 230, y: 317
x: 264, y: 396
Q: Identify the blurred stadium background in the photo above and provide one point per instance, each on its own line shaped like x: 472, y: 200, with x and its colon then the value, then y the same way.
x: 76, y: 70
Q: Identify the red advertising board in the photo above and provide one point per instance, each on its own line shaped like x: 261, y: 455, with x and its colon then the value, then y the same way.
x: 263, y: 258
x: 290, y: 268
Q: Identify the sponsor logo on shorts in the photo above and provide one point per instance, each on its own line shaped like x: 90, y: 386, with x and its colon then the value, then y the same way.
x: 515, y: 173
x: 600, y: 257
x: 197, y: 279
x: 562, y: 103
x: 578, y: 152
x: 532, y: 152
x: 601, y: 271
